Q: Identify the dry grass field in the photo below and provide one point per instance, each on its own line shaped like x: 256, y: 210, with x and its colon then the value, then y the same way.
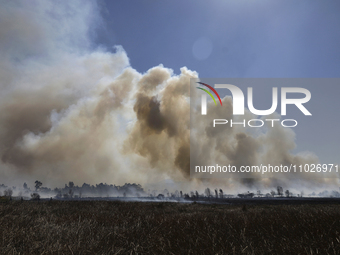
x: 106, y: 227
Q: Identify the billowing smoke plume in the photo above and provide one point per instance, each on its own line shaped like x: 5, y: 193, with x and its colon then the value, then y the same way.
x: 69, y: 111
x: 161, y: 132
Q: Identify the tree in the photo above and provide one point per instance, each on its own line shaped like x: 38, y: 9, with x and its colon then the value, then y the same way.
x: 25, y: 186
x: 279, y: 191
x: 259, y: 193
x: 70, y: 192
x: 8, y: 193
x: 221, y: 193
x: 287, y: 193
x: 272, y: 193
x: 207, y: 192
x: 59, y: 195
x: 216, y: 193
x: 35, y: 196
x: 38, y: 184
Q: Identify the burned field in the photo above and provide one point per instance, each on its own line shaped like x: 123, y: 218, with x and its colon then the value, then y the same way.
x: 114, y: 227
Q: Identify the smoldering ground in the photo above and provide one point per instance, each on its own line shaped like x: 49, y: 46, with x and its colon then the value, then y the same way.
x: 72, y: 111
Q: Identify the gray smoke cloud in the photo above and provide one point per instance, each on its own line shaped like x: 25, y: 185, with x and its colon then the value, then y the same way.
x: 244, y: 146
x: 70, y: 111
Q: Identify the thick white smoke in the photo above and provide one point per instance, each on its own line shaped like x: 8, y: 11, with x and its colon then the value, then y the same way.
x: 69, y: 111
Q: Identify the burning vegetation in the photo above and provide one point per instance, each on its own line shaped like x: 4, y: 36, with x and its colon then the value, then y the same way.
x: 136, y: 191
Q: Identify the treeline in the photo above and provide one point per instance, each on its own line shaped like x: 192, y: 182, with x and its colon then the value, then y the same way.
x: 73, y: 191
x: 135, y: 190
x: 219, y: 193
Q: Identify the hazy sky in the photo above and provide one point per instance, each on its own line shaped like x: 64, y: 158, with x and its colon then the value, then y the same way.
x: 277, y: 39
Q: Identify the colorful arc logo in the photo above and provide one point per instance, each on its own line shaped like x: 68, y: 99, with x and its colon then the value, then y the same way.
x: 209, y: 92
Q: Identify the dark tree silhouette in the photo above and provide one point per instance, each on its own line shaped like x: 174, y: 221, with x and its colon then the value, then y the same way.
x: 279, y: 191
x: 38, y: 184
x: 287, y: 193
x: 221, y: 193
x: 35, y: 196
x: 70, y: 192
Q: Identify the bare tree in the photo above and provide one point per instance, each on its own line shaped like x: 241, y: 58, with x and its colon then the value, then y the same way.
x: 221, y: 193
x: 216, y: 193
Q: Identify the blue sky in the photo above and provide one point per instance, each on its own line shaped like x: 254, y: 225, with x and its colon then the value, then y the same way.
x: 248, y: 38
